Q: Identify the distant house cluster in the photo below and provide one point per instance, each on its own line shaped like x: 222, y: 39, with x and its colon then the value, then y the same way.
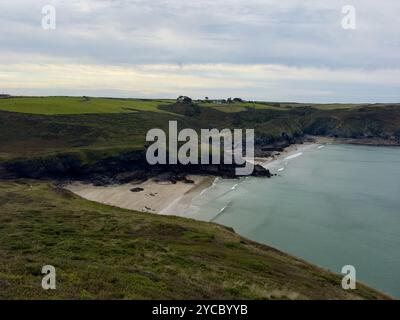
x: 227, y: 101
x: 185, y: 99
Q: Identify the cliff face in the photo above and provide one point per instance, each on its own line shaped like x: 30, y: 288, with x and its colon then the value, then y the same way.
x: 372, y: 122
x: 123, y: 168
x: 74, y: 141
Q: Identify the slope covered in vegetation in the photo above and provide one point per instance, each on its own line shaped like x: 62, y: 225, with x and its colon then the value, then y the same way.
x: 102, y: 252
x: 39, y: 126
x: 106, y: 252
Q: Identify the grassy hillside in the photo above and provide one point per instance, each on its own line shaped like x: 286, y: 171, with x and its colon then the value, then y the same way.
x: 78, y: 105
x: 106, y: 252
x: 88, y: 105
x: 37, y: 126
x: 103, y: 252
x: 257, y: 105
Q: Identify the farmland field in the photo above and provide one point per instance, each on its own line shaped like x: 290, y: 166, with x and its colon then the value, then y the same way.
x: 78, y: 105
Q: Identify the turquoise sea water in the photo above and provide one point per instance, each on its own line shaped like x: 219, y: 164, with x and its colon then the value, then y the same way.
x: 333, y: 206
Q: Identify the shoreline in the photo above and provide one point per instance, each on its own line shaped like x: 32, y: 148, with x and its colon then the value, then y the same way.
x: 185, y: 200
x: 166, y: 198
x: 150, y: 196
x: 163, y: 197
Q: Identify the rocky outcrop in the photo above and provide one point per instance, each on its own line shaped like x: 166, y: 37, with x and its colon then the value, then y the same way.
x: 265, y: 145
x: 126, y: 167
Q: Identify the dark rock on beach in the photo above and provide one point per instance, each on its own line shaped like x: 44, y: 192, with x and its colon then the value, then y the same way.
x: 260, y: 171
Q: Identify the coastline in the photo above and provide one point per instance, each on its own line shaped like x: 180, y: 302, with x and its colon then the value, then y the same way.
x: 166, y: 198
x: 184, y: 208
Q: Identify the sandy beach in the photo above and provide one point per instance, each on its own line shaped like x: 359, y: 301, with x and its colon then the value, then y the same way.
x: 156, y: 196
x: 164, y: 197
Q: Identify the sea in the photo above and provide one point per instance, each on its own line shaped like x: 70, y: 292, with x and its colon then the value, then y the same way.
x: 333, y: 205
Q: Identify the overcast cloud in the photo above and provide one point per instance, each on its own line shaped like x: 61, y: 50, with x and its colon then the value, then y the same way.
x: 288, y: 50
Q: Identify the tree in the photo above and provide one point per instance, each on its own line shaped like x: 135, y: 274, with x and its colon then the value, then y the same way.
x: 184, y: 99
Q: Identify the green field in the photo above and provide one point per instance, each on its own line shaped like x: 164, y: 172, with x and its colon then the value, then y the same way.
x: 103, y: 252
x: 239, y: 106
x: 78, y: 105
x: 44, y: 125
x: 82, y: 105
x: 243, y: 106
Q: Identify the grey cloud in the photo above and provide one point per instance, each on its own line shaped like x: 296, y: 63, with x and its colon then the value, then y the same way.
x: 157, y: 31
x: 293, y: 33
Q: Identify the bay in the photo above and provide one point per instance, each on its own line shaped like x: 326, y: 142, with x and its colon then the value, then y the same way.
x: 332, y: 205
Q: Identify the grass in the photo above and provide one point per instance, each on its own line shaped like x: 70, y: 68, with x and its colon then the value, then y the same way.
x: 239, y: 106
x: 41, y: 126
x: 78, y: 105
x: 244, y: 106
x: 103, y: 252
x: 82, y: 105
x: 324, y: 106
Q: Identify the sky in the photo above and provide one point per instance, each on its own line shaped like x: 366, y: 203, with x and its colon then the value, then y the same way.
x: 271, y: 50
